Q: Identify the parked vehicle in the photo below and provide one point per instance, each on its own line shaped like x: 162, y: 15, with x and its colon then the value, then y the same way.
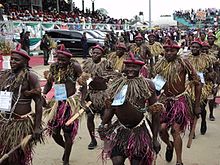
x: 72, y: 40
x: 103, y: 34
x: 94, y: 34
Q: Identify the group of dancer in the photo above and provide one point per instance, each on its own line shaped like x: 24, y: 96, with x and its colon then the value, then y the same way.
x: 141, y: 92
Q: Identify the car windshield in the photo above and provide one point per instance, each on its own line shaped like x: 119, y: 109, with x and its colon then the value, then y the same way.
x: 100, y: 33
x: 89, y: 35
x: 94, y: 34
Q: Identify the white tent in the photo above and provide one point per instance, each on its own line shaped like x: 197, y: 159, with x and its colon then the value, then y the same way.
x: 139, y: 25
x: 165, y: 21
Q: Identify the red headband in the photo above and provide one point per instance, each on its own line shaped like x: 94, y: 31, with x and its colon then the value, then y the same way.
x: 211, y: 35
x: 132, y: 60
x: 98, y: 47
x: 171, y: 44
x: 139, y: 36
x: 205, y: 44
x: 63, y: 51
x: 151, y: 34
x: 121, y: 45
x: 197, y: 40
x: 21, y: 52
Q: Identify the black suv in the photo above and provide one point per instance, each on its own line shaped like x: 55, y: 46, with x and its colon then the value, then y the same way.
x: 72, y: 40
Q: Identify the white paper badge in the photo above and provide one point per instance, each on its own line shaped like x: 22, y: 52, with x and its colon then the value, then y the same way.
x: 159, y: 82
x: 5, y: 101
x: 60, y: 92
x: 120, y: 96
x: 201, y: 75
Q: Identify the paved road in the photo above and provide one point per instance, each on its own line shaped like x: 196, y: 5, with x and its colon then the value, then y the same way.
x: 205, y: 149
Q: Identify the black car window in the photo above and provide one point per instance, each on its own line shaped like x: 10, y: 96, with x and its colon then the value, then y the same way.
x: 76, y: 35
x: 59, y: 34
x: 53, y: 34
x: 65, y: 34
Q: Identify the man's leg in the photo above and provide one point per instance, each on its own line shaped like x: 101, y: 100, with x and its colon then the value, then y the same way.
x: 203, y: 119
x: 84, y: 53
x: 91, y: 128
x: 45, y: 57
x: 118, y: 160
x: 57, y: 137
x: 165, y: 138
x: 211, y: 108
x: 175, y: 131
x: 137, y: 162
x: 68, y: 148
x: 16, y: 158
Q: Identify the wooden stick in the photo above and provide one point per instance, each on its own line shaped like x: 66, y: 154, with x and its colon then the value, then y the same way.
x: 72, y: 119
x: 24, y: 141
x: 192, y: 132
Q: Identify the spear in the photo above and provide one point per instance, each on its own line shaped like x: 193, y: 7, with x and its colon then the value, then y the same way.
x: 72, y: 119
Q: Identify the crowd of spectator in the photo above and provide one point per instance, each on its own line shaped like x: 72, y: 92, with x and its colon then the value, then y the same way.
x: 50, y: 14
x: 211, y: 16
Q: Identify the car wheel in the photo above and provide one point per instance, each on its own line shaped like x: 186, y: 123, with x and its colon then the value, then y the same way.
x: 90, y: 51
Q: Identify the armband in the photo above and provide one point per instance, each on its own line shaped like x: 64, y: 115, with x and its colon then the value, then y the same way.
x: 156, y: 107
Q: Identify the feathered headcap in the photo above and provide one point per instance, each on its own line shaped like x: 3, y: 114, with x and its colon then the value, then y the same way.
x: 121, y: 45
x: 62, y: 50
x: 198, y: 41
x: 98, y: 47
x: 205, y: 44
x: 210, y: 34
x: 21, y: 52
x: 132, y: 60
x: 151, y: 34
x: 171, y: 44
x: 139, y: 36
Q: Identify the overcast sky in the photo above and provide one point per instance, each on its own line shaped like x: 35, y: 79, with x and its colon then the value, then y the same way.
x: 130, y: 8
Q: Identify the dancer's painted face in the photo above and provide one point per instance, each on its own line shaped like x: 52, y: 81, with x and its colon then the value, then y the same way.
x: 96, y: 55
x: 17, y: 62
x: 211, y: 40
x: 171, y: 54
x: 63, y: 60
x: 205, y: 49
x: 138, y: 41
x: 195, y: 49
x: 132, y: 70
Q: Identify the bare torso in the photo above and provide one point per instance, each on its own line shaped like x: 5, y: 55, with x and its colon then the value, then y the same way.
x: 128, y: 115
x: 24, y: 104
x: 177, y: 87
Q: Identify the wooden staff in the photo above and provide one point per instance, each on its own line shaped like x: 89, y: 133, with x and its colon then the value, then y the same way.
x: 23, y: 143
x: 192, y: 132
x: 72, y: 119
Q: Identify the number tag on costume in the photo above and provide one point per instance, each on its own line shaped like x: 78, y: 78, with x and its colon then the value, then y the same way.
x: 159, y: 82
x: 5, y: 101
x: 201, y: 76
x: 60, y: 92
x: 120, y: 96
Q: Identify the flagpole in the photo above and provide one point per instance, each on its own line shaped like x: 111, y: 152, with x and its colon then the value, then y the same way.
x: 150, y: 14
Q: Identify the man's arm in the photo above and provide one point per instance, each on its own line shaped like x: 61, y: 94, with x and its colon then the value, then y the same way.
x: 78, y: 69
x: 198, y: 86
x: 35, y: 85
x: 155, y: 115
x: 49, y: 83
x: 83, y: 76
x: 47, y: 87
x: 155, y: 109
x: 108, y: 113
